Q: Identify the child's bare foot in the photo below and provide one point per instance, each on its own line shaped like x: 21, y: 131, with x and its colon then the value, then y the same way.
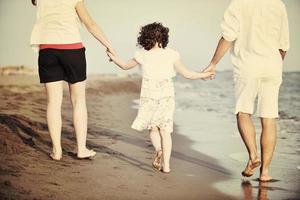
x: 86, y: 154
x: 157, y: 160
x: 166, y: 169
x: 251, y: 165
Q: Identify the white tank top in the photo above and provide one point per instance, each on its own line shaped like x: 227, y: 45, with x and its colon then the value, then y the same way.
x: 57, y: 23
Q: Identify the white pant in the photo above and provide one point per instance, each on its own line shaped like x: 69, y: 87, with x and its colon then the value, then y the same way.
x: 267, y: 90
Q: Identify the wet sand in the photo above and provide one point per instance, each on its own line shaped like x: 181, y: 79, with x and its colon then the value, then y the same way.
x: 205, y: 114
x: 122, y: 168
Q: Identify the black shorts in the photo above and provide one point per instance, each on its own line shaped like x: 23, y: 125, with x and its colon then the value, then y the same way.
x: 57, y: 65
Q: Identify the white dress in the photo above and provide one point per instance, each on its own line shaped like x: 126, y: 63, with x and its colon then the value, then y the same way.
x: 157, y: 100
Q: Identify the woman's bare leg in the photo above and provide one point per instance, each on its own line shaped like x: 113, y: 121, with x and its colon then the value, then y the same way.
x: 54, y: 100
x: 77, y: 93
x: 167, y: 148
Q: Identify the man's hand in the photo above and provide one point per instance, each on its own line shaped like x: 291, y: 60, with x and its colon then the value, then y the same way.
x: 212, y: 69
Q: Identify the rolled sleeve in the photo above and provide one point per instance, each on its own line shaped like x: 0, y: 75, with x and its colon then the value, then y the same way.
x: 76, y: 1
x: 285, y: 33
x: 230, y: 24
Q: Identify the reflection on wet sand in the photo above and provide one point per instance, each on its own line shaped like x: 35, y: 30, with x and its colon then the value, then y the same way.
x: 250, y: 192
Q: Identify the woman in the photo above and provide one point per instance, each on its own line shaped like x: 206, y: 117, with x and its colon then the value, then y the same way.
x: 62, y: 58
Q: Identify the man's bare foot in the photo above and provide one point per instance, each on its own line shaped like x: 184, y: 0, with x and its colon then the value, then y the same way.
x: 264, y: 176
x: 86, y: 154
x: 251, y: 165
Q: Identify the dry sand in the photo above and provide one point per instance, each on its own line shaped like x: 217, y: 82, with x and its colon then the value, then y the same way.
x: 122, y: 168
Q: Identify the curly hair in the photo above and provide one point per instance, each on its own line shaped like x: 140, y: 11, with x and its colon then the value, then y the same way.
x: 153, y: 33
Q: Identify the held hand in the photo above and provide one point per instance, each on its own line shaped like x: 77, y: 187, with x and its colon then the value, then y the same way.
x: 111, y: 50
x: 207, y: 75
x: 111, y: 56
x: 212, y: 69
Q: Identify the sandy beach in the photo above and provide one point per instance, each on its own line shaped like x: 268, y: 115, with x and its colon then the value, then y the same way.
x: 122, y: 168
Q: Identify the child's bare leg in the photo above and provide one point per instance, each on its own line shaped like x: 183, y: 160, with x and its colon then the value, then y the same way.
x: 77, y: 93
x: 54, y: 100
x: 155, y: 139
x: 167, y: 148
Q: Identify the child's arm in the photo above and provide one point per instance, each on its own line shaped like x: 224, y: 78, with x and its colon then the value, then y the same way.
x: 126, y: 65
x: 186, y: 73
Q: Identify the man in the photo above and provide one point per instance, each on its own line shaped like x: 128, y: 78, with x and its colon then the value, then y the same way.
x: 258, y: 32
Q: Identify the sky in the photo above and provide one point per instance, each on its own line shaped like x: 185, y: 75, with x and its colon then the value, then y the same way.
x: 194, y: 30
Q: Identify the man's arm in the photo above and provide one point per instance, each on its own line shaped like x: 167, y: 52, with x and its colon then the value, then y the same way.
x: 222, y: 48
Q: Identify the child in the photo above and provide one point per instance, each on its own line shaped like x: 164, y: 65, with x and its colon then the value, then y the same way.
x: 157, y: 102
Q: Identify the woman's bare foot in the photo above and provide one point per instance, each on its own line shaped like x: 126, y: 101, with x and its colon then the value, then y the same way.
x: 251, y: 165
x: 86, y: 154
x: 56, y: 154
x: 157, y: 160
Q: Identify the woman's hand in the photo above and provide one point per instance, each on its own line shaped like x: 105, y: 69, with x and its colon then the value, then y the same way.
x: 111, y: 50
x: 112, y: 57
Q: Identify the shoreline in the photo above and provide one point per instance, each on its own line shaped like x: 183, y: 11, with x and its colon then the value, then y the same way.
x: 206, y: 162
x: 26, y: 172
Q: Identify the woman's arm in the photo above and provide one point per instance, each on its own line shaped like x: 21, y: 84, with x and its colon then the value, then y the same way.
x: 92, y: 26
x: 181, y: 69
x: 126, y: 65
